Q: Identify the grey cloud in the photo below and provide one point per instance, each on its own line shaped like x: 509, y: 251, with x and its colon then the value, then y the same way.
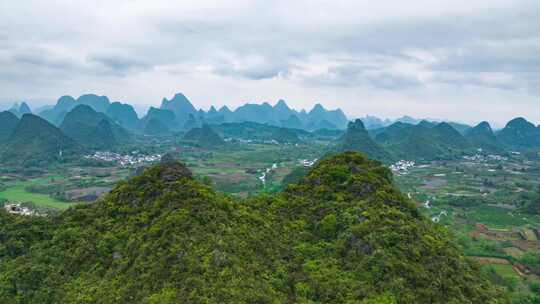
x: 119, y: 63
x: 350, y: 46
x: 40, y: 59
x: 351, y: 75
x: 259, y: 68
x: 278, y: 40
x: 474, y: 79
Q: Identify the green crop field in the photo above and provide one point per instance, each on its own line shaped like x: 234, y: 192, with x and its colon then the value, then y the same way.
x: 18, y: 193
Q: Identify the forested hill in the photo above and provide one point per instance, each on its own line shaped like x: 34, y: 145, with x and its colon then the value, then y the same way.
x: 343, y: 234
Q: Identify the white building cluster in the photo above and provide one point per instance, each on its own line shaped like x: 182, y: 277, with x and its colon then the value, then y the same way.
x: 307, y: 162
x: 484, y: 158
x: 16, y: 208
x: 124, y: 160
x: 402, y: 166
x: 253, y: 141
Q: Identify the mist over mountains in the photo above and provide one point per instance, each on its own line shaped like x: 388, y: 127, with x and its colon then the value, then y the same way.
x: 93, y: 122
x: 179, y: 114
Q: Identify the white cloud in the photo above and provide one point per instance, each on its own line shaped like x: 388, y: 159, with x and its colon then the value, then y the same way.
x: 422, y: 57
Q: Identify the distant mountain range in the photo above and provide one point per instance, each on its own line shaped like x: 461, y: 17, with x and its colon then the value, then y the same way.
x: 92, y: 122
x: 179, y: 114
x: 20, y: 109
x: 373, y: 122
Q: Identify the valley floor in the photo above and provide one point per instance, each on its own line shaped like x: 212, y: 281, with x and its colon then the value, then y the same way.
x: 488, y: 202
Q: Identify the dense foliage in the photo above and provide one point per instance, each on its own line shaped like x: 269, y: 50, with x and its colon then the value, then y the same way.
x: 520, y: 134
x: 424, y: 141
x: 482, y: 136
x: 203, y: 137
x: 164, y: 119
x: 9, y: 122
x: 93, y: 129
x: 356, y: 138
x: 35, y: 141
x: 342, y: 234
x: 260, y: 132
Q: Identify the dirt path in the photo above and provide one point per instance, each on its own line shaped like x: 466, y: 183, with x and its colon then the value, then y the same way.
x: 490, y: 260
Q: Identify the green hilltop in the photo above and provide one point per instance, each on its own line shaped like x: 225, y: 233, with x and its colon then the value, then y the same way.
x: 156, y: 127
x: 424, y: 141
x: 261, y: 132
x: 203, y: 137
x: 482, y: 136
x: 356, y: 138
x: 159, y: 120
x: 342, y: 234
x: 93, y: 129
x: 35, y: 141
x: 520, y: 134
x: 9, y: 122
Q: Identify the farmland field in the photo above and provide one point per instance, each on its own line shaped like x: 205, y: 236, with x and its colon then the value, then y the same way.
x: 17, y: 193
x: 480, y: 200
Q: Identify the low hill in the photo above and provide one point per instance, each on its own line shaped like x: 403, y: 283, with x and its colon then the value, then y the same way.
x: 451, y: 137
x: 328, y: 134
x: 203, y: 137
x: 124, y: 115
x: 156, y: 127
x: 259, y: 132
x: 356, y: 138
x: 323, y: 124
x: 191, y: 122
x: 460, y: 127
x: 165, y: 117
x: 482, y: 136
x: 37, y: 142
x: 520, y: 134
x: 394, y: 132
x: 292, y: 122
x: 424, y: 141
x: 342, y: 234
x: 9, y: 122
x: 285, y: 135
x: 93, y: 129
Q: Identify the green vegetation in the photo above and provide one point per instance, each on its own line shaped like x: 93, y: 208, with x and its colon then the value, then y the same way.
x: 520, y: 134
x: 203, y: 137
x: 357, y: 139
x: 343, y: 234
x: 20, y: 193
x: 482, y: 136
x: 324, y: 234
x: 9, y: 122
x: 425, y: 141
x: 259, y: 132
x: 93, y: 129
x: 159, y: 121
x: 488, y: 203
x: 36, y: 142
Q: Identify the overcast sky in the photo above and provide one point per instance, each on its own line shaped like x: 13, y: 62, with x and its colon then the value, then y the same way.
x: 466, y: 60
